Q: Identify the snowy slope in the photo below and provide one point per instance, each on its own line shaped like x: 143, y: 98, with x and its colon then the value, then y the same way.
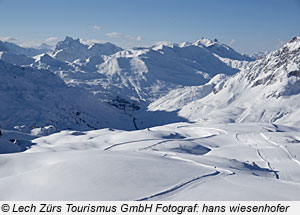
x: 176, y: 99
x: 266, y: 91
x: 36, y: 98
x: 180, y: 161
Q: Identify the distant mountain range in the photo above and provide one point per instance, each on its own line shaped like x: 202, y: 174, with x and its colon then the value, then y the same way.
x: 101, y: 85
x: 141, y: 74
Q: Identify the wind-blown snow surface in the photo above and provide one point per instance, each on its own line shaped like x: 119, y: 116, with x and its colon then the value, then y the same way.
x: 180, y: 161
x: 267, y: 91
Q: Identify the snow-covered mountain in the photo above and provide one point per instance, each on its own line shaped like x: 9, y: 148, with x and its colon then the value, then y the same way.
x: 227, y: 54
x: 70, y: 50
x: 17, y: 55
x: 32, y: 98
x: 267, y: 91
x: 16, y: 59
x: 132, y: 77
x: 18, y: 50
x: 222, y: 50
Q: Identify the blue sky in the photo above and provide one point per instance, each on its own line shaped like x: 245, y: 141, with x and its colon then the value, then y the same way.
x: 246, y: 25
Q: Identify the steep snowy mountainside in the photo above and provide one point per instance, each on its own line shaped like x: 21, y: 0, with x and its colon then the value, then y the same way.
x: 18, y: 50
x: 267, y: 91
x: 178, y: 98
x: 32, y: 98
x: 72, y: 49
x: 236, y: 64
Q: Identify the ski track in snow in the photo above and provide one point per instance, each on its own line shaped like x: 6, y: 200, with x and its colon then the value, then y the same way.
x: 221, y: 131
x: 156, y: 144
x: 174, y: 140
x: 124, y: 143
x: 178, y: 187
x: 218, y: 169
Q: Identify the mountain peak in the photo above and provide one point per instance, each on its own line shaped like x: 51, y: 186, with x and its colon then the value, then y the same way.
x: 72, y: 49
x: 206, y: 42
x: 69, y: 39
x: 221, y: 49
x: 293, y: 45
x: 294, y: 39
x: 104, y: 48
x: 107, y: 44
x: 184, y: 44
x: 68, y: 42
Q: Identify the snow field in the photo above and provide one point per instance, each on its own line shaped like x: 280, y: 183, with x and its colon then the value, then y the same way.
x: 181, y: 161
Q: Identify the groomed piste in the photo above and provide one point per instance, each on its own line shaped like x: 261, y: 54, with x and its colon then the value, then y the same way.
x: 181, y: 161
